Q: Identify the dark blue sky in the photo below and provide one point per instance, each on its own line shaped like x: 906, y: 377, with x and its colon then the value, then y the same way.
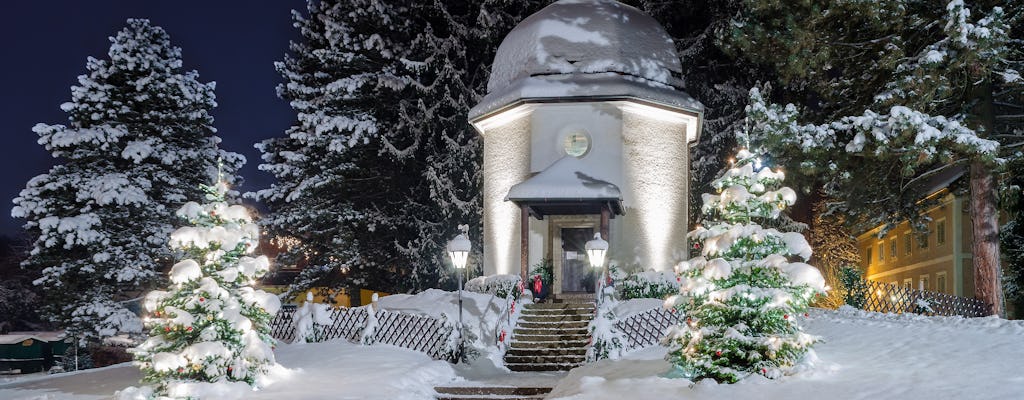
x: 234, y: 43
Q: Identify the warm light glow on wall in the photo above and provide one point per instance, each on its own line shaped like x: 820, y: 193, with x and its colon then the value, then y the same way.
x: 506, y: 163
x: 655, y: 170
x: 499, y: 119
x: 663, y: 115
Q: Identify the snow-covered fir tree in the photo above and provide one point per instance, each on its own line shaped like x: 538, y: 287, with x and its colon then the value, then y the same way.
x: 381, y: 165
x: 901, y: 91
x: 742, y: 296
x: 210, y: 325
x: 138, y: 142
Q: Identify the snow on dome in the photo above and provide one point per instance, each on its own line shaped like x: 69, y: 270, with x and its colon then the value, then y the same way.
x: 586, y: 48
x: 587, y: 36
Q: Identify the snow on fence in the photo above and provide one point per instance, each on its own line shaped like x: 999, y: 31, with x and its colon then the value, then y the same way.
x: 893, y: 298
x: 646, y: 328
x: 433, y: 336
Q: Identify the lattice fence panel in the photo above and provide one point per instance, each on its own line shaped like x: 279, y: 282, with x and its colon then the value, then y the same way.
x: 348, y: 323
x: 890, y: 298
x: 425, y: 334
x: 282, y: 326
x: 646, y: 328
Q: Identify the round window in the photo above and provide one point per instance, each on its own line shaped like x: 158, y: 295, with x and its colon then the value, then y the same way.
x: 577, y: 144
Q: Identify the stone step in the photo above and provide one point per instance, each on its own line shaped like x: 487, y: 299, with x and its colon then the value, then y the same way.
x: 565, y: 351
x: 536, y: 367
x: 548, y: 344
x: 556, y: 318
x: 553, y: 331
x: 491, y: 393
x: 559, y: 306
x: 555, y: 324
x: 576, y: 359
x: 548, y: 336
x: 558, y: 313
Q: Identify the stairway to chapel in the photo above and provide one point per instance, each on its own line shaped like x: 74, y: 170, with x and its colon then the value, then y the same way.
x: 552, y: 336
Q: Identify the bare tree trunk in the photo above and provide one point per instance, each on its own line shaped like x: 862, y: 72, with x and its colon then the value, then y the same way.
x: 988, y: 274
x: 985, y: 248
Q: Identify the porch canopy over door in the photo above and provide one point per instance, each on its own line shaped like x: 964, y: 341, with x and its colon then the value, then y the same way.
x: 564, y: 188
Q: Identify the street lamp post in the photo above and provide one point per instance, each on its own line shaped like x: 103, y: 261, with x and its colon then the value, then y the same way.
x: 458, y: 250
x: 596, y: 250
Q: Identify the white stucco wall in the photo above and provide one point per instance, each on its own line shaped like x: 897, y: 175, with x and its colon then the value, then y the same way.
x: 552, y: 123
x: 506, y: 163
x: 656, y: 175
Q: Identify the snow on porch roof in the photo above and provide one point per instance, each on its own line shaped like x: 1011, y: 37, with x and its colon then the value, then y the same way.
x: 564, y: 180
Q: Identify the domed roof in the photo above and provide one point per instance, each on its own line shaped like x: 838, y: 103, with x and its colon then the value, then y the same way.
x: 586, y: 48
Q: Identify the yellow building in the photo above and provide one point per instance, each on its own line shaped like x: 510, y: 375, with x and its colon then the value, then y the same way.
x: 940, y: 261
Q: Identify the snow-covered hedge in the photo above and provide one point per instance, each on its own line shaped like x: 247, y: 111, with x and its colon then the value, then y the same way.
x: 498, y: 285
x: 649, y: 285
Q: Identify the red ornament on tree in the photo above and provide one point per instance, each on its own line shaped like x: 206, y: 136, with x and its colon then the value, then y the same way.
x: 167, y: 329
x: 806, y: 315
x: 718, y: 353
x: 202, y: 299
x: 786, y: 316
x: 189, y: 329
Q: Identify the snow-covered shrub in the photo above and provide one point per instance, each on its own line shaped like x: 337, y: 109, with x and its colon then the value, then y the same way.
x: 499, y: 285
x: 855, y: 290
x: 607, y: 341
x: 648, y: 285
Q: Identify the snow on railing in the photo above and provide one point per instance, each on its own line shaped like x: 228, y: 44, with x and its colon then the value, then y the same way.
x: 437, y: 337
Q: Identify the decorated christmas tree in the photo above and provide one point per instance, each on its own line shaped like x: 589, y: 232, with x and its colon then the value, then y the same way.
x: 210, y: 326
x: 744, y: 294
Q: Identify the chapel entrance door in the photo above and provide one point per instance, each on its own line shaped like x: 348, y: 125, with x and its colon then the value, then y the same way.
x: 574, y: 260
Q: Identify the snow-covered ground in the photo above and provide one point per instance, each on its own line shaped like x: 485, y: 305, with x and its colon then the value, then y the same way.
x: 864, y: 356
x: 330, y: 370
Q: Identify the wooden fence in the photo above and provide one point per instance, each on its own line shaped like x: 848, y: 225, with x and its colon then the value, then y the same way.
x: 646, y: 328
x: 891, y: 298
x: 429, y: 335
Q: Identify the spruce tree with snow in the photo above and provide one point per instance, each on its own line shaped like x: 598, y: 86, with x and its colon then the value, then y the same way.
x: 381, y: 165
x: 138, y: 142
x: 742, y: 296
x: 902, y: 92
x: 210, y: 325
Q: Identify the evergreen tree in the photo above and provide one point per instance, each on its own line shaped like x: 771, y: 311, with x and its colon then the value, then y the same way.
x: 903, y: 91
x: 1012, y: 241
x: 210, y: 324
x: 382, y: 166
x: 742, y: 297
x: 139, y: 140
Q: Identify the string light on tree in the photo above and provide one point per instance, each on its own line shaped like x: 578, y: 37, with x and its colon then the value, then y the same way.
x: 741, y: 293
x: 209, y: 325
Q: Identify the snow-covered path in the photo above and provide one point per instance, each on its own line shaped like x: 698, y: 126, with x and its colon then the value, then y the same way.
x: 865, y: 356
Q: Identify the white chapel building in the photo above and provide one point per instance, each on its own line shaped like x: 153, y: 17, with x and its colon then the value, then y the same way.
x: 586, y: 129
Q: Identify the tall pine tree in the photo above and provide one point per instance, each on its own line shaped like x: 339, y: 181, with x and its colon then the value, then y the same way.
x: 381, y: 165
x: 138, y: 142
x: 900, y: 91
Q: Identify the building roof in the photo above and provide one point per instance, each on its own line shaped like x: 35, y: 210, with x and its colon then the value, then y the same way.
x: 586, y: 48
x: 565, y: 180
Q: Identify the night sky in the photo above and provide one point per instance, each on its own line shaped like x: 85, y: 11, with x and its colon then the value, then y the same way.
x: 234, y: 43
